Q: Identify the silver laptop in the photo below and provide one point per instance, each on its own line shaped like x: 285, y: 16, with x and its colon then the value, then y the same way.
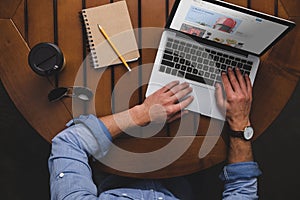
x: 203, y: 38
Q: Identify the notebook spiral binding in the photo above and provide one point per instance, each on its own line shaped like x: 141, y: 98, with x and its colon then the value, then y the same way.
x: 91, y: 45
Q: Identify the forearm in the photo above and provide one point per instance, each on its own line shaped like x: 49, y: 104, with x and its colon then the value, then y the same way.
x: 239, y: 151
x: 240, y: 174
x: 120, y: 122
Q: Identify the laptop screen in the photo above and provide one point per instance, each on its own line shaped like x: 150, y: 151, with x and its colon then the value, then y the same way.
x: 229, y: 25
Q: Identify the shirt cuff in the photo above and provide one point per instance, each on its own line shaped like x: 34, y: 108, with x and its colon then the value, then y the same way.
x: 97, y: 139
x: 89, y: 121
x: 238, y: 171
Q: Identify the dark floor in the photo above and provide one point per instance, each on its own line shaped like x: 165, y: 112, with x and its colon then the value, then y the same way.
x: 24, y: 173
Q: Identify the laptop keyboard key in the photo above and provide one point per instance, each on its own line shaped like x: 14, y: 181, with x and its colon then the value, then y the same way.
x: 199, y: 60
x: 188, y: 56
x: 195, y: 71
x: 186, y: 50
x: 213, y: 76
x: 249, y: 62
x: 194, y: 64
x: 182, y: 61
x: 169, y: 51
x: 180, y: 74
x: 168, y: 63
x: 162, y: 68
x: 167, y: 57
x: 174, y: 72
x: 168, y: 70
x: 198, y: 79
x: 233, y: 63
x: 187, y: 62
x: 169, y: 44
x: 247, y: 67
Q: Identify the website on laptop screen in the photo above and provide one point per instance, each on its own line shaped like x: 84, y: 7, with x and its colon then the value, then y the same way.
x: 226, y: 26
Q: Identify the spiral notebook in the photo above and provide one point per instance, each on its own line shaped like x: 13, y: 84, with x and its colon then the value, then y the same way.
x: 115, y: 20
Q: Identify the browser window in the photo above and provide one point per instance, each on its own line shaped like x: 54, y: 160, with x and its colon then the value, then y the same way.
x: 225, y: 26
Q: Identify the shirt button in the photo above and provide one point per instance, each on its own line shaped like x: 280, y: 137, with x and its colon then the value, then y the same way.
x: 124, y: 194
x: 160, y: 198
x: 61, y: 175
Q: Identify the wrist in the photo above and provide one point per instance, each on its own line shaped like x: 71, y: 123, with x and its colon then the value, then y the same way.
x: 238, y: 125
x: 139, y: 115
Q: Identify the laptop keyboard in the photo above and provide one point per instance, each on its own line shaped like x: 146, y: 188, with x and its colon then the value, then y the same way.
x: 198, y: 63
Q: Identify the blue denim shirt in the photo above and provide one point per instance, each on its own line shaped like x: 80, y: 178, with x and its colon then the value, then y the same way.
x: 71, y: 175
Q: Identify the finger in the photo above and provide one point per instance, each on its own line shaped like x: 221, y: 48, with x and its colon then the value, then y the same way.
x: 234, y: 82
x: 227, y: 85
x: 179, y: 87
x: 178, y: 115
x: 180, y: 94
x: 249, y: 85
x: 219, y: 96
x: 241, y: 80
x: 181, y: 105
x: 168, y: 86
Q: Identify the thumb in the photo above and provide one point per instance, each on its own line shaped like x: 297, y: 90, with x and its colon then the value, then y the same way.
x: 219, y: 96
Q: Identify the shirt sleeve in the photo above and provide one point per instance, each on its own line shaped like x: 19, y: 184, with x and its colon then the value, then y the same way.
x: 240, y: 181
x: 70, y: 173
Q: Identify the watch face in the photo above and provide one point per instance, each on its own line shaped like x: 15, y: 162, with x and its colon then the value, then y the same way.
x: 248, y: 133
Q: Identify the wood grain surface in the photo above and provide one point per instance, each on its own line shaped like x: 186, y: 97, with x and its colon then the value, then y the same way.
x: 24, y: 23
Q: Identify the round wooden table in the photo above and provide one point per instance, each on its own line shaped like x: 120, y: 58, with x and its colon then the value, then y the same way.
x: 24, y: 23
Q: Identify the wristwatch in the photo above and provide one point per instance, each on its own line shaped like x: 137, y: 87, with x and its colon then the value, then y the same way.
x: 246, y: 134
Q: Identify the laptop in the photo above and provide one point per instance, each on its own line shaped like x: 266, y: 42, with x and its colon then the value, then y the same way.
x: 202, y: 38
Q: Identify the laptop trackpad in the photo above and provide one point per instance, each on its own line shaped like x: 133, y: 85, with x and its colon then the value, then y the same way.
x: 204, y: 100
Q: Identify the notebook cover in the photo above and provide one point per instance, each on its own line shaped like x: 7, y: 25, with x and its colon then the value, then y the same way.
x: 115, y: 20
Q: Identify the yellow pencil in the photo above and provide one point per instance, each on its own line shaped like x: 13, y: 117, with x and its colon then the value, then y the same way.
x: 113, y: 47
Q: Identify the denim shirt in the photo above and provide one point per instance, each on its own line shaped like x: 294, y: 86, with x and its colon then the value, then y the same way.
x: 71, y: 175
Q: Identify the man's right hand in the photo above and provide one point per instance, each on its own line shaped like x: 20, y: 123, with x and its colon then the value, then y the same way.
x: 164, y: 104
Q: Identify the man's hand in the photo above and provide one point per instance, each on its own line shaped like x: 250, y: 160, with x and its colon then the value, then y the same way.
x: 237, y: 102
x: 163, y: 105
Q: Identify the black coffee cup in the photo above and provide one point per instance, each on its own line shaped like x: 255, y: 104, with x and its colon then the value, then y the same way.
x: 46, y: 59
